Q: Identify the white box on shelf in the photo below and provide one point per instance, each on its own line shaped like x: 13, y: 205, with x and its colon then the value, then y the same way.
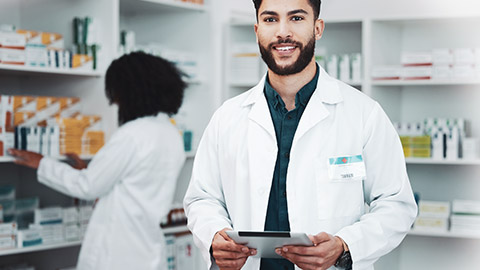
x: 441, y: 72
x: 50, y: 215
x: 28, y: 237
x: 463, y: 71
x: 442, y: 57
x: 464, y: 56
x: 12, y: 40
x: 7, y: 229
x: 70, y: 215
x: 36, y: 55
x: 416, y: 58
x: 467, y: 220
x: 439, y: 209
x: 436, y: 224
x: 12, y: 56
x: 466, y: 207
x: 7, y: 242
x: 386, y: 73
x: 417, y: 73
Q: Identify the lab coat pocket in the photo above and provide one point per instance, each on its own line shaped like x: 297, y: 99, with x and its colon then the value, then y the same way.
x: 340, y: 188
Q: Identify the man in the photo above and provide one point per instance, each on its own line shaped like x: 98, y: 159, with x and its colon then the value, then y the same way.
x: 299, y: 152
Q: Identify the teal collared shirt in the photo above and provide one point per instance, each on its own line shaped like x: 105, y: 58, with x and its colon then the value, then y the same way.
x: 285, y: 123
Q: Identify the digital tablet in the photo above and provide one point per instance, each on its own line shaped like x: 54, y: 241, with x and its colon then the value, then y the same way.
x: 266, y: 242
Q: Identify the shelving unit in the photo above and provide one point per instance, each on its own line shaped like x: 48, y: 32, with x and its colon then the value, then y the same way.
x: 142, y: 7
x: 444, y: 234
x: 11, y: 159
x: 42, y: 247
x: 433, y: 82
x: 175, y: 229
x: 27, y: 70
x: 441, y: 162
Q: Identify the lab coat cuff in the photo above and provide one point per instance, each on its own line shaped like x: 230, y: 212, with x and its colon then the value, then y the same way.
x: 44, y: 167
x: 353, y: 240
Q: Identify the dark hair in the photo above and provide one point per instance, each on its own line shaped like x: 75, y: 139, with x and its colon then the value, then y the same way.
x: 143, y: 85
x: 315, y: 4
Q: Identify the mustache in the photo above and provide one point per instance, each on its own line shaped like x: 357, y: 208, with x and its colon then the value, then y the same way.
x: 286, y: 40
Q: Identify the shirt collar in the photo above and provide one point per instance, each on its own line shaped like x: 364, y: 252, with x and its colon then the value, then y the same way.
x: 301, y: 98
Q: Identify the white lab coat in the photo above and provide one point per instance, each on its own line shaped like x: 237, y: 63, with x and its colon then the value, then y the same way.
x: 134, y: 175
x: 235, y: 161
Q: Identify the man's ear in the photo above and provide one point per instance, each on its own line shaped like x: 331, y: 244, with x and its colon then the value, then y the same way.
x: 319, y: 27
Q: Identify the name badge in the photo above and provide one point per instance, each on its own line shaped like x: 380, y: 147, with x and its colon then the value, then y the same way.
x: 346, y: 168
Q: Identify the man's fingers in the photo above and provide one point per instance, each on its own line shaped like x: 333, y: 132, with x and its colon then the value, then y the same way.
x: 231, y: 264
x: 321, y: 237
x: 299, y: 250
x: 222, y: 254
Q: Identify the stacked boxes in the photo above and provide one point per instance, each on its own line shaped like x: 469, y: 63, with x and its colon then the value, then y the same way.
x: 48, y: 125
x: 437, y: 138
x: 8, y: 234
x: 442, y: 64
x: 465, y: 217
x: 46, y: 49
x: 432, y: 216
x: 48, y: 221
x: 25, y: 224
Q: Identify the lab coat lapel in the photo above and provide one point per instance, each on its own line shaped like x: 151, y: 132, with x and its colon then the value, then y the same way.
x: 327, y: 92
x: 262, y: 154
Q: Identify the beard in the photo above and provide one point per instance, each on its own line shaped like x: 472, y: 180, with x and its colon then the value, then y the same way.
x: 306, y: 55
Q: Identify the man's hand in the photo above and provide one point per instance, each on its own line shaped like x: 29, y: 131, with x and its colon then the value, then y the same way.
x: 323, y: 255
x: 227, y: 253
x: 26, y: 158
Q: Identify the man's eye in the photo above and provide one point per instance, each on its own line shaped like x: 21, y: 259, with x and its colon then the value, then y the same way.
x: 297, y: 18
x: 269, y: 20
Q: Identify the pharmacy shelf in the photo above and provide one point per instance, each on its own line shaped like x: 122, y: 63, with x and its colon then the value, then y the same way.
x: 442, y: 162
x: 444, y: 234
x: 11, y: 159
x: 28, y: 70
x: 129, y: 7
x: 175, y: 229
x: 39, y: 248
x: 425, y: 82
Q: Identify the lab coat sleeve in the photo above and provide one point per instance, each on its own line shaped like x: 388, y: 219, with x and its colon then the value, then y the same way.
x: 105, y: 169
x: 204, y: 200
x: 386, y: 189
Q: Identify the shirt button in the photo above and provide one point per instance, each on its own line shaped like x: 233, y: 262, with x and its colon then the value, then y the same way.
x: 287, y: 155
x: 285, y: 194
x: 289, y: 117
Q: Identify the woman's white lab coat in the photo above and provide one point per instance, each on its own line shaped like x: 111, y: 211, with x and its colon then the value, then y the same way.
x: 235, y: 161
x: 134, y: 176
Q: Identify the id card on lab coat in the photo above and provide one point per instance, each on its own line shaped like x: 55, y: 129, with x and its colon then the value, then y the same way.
x: 346, y: 168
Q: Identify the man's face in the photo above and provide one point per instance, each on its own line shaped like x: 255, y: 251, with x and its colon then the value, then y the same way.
x: 286, y: 33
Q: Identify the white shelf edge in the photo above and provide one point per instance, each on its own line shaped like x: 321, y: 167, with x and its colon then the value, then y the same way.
x: 424, y: 82
x: 442, y: 162
x: 177, y: 4
x: 175, y: 229
x: 190, y: 154
x: 5, y: 159
x: 42, y: 247
x: 55, y: 71
x: 447, y: 234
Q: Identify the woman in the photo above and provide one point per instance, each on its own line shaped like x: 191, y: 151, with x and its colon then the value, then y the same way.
x: 134, y: 174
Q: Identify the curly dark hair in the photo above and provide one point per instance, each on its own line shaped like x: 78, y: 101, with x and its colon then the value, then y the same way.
x: 143, y: 85
x: 315, y: 4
